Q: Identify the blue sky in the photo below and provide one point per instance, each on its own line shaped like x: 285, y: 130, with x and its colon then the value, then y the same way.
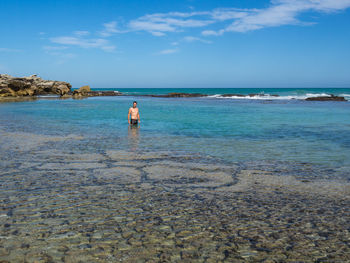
x: 185, y: 43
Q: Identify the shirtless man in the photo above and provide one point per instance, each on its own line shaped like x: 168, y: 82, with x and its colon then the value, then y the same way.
x: 134, y: 112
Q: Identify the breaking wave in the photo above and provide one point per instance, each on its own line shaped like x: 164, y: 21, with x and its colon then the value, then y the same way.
x: 263, y: 96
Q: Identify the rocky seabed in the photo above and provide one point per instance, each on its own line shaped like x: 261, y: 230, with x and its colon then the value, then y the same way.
x: 61, y: 204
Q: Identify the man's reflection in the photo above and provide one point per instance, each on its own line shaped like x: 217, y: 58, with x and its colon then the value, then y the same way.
x: 133, y: 137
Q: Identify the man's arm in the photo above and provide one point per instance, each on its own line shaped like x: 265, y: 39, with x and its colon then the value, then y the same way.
x: 129, y: 115
x: 138, y: 116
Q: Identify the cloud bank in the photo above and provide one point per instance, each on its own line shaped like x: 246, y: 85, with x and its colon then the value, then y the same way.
x: 214, y: 22
x: 279, y: 13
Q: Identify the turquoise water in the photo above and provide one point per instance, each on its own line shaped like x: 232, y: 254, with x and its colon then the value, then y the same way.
x: 229, y: 129
x: 255, y: 132
x: 284, y: 93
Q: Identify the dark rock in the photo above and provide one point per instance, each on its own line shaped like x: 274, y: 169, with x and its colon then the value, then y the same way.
x: 179, y: 95
x: 94, y: 93
x: 326, y: 98
x: 17, y: 85
x: 255, y: 94
x: 86, y: 91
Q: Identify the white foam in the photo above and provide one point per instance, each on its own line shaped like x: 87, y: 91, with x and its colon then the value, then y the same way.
x: 48, y: 96
x: 263, y: 96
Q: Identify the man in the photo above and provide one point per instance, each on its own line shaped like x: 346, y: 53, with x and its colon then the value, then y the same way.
x: 134, y: 112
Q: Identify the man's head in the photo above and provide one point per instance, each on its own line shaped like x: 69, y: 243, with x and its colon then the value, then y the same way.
x: 134, y: 104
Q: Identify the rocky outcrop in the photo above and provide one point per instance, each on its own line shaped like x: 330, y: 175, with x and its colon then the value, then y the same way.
x: 31, y: 86
x: 326, y: 98
x: 85, y: 91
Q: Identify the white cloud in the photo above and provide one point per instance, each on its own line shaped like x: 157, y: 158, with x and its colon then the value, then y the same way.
x: 168, y: 51
x: 109, y: 29
x: 196, y: 39
x: 214, y: 22
x: 279, y: 13
x: 157, y: 33
x: 53, y: 48
x: 81, y: 33
x: 84, y: 42
x: 159, y: 24
x: 222, y: 14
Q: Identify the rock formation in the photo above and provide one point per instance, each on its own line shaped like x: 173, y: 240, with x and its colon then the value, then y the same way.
x: 326, y: 98
x: 31, y: 86
x: 85, y: 91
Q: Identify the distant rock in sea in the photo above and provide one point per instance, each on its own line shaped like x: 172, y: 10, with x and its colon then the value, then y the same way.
x: 31, y: 86
x: 326, y: 98
x: 85, y: 91
x: 178, y: 95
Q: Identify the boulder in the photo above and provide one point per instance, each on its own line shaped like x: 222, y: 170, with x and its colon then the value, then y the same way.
x: 62, y: 89
x: 85, y: 89
x: 82, y: 91
x: 326, y: 98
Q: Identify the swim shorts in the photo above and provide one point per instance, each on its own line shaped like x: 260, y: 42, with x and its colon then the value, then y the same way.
x: 134, y: 122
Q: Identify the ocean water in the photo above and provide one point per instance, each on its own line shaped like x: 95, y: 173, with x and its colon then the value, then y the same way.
x: 281, y: 131
x: 284, y: 93
x: 205, y: 179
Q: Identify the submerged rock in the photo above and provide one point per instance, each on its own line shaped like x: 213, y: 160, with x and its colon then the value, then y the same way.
x: 31, y: 86
x: 326, y: 98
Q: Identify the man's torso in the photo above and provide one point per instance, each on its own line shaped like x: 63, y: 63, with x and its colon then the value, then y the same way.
x: 134, y: 113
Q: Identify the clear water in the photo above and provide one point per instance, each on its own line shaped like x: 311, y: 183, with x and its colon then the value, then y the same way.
x: 232, y: 130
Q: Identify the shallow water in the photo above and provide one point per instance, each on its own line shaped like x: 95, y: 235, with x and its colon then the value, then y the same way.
x: 201, y: 180
x: 232, y: 130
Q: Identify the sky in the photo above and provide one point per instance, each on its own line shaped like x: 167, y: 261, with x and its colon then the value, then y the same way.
x: 178, y: 44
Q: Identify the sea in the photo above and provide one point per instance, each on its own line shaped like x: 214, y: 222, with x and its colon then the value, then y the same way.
x: 260, y: 178
x: 261, y: 129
